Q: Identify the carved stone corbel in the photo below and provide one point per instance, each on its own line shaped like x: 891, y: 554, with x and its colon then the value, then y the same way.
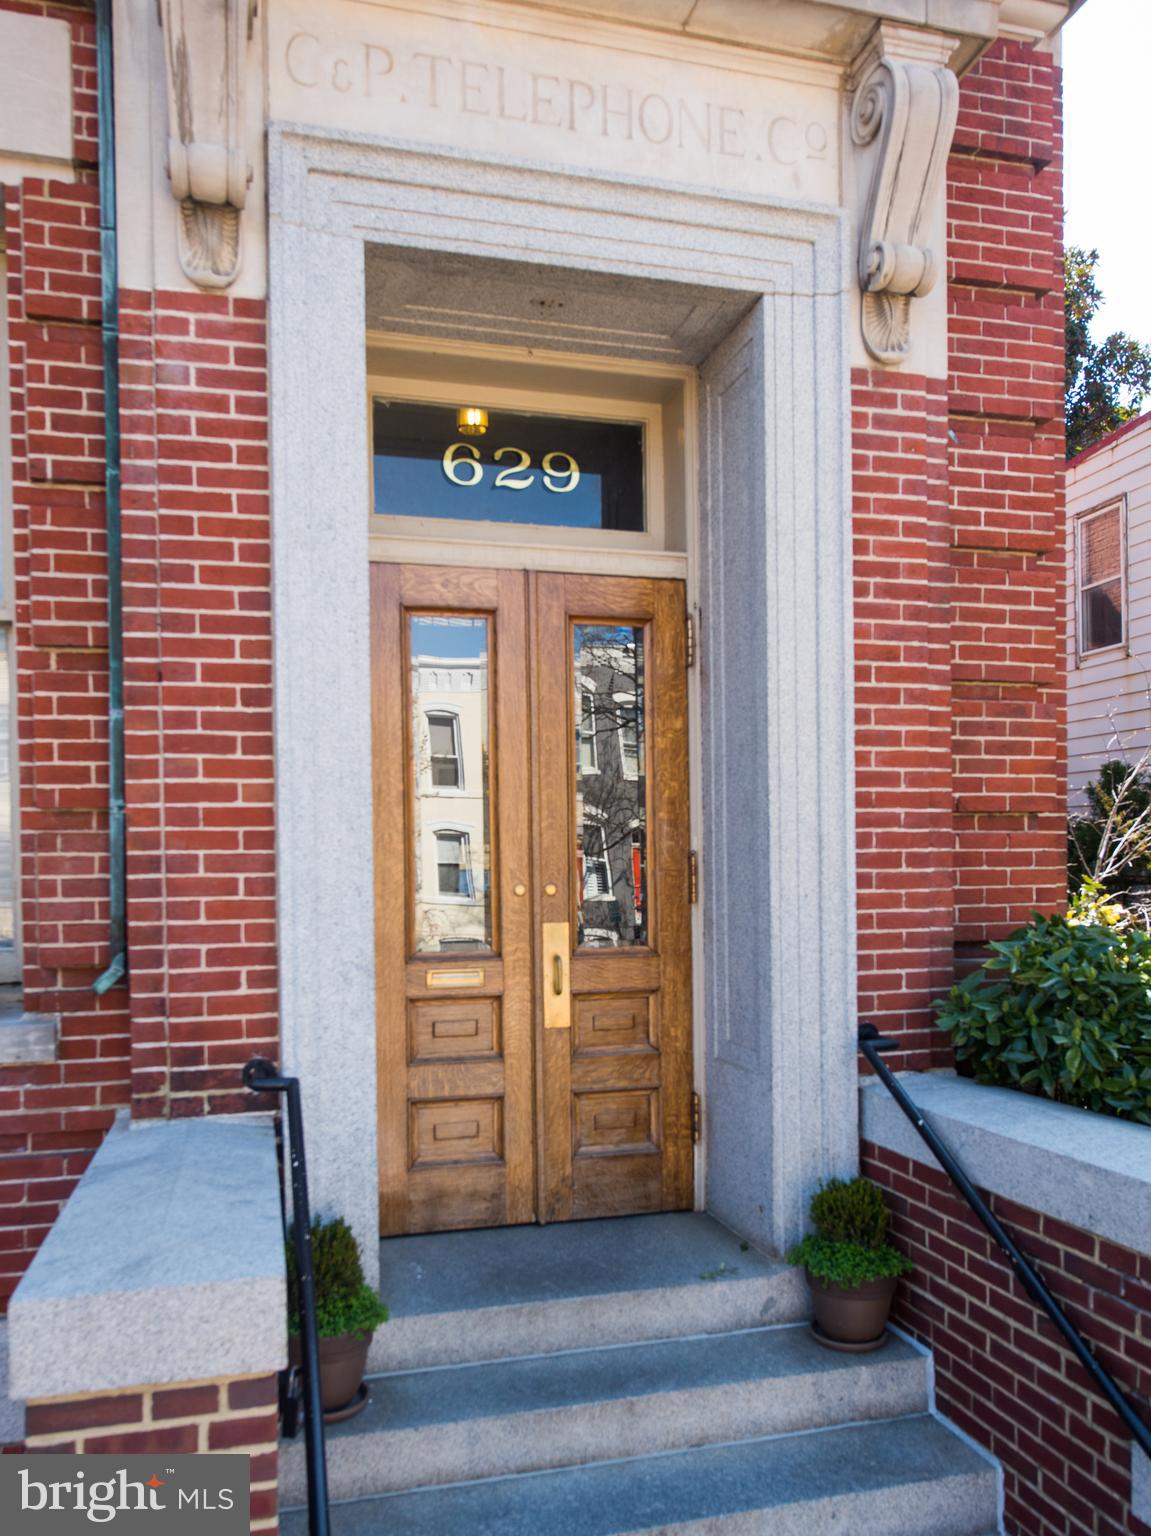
x: 205, y: 48
x: 902, y: 120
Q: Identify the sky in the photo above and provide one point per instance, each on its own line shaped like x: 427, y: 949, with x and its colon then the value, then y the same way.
x: 1107, y: 146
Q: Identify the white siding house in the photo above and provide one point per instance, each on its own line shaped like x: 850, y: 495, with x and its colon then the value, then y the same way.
x: 1108, y: 602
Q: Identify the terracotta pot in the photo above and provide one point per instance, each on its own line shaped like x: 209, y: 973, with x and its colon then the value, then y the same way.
x: 343, y: 1361
x: 855, y: 1317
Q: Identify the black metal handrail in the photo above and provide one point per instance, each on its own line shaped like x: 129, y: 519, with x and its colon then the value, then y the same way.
x: 871, y: 1043
x: 261, y: 1077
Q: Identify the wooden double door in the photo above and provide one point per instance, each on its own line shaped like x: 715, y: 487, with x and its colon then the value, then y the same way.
x: 532, y: 891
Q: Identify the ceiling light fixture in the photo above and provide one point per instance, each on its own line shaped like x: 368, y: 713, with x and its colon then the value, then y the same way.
x: 472, y: 421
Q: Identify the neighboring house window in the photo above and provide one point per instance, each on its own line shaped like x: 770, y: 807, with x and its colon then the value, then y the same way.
x: 9, y: 873
x: 1101, y: 582
x: 588, y: 760
x: 444, y: 737
x: 596, y: 873
x: 629, y: 746
x: 453, y: 864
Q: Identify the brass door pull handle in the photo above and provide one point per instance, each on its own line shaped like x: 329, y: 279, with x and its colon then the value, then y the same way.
x: 557, y: 996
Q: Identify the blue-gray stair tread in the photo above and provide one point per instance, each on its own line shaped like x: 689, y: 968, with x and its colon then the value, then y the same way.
x: 650, y: 1493
x: 413, y: 1399
x: 510, y: 1266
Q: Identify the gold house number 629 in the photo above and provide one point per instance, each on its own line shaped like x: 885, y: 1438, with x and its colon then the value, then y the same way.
x: 463, y: 466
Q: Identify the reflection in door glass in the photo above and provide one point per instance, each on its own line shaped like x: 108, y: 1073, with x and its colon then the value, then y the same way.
x: 452, y: 812
x: 611, y: 785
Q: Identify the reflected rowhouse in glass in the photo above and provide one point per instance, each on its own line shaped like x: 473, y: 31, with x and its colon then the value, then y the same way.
x: 450, y: 782
x: 611, y: 785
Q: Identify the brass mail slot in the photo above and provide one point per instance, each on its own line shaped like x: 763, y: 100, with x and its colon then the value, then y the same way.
x: 470, y: 978
x: 557, y: 976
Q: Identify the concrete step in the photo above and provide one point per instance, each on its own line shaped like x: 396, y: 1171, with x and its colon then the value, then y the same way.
x: 898, y: 1477
x: 459, y: 1297
x: 525, y: 1415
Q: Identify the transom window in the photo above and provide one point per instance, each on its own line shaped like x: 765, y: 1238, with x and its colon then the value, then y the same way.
x: 470, y: 464
x: 1101, y: 583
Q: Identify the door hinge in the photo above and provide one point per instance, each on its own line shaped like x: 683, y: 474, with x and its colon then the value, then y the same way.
x: 689, y: 629
x: 693, y: 877
x: 696, y: 1119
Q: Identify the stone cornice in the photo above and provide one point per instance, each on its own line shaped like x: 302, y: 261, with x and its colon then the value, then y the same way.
x: 834, y: 31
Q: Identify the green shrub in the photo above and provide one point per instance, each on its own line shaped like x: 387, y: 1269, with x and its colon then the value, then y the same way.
x: 1062, y: 1008
x: 849, y: 1246
x: 345, y: 1303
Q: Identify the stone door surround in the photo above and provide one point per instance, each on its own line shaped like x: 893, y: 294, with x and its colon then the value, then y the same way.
x: 777, y: 859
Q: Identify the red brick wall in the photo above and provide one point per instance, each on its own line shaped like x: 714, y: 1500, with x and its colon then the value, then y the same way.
x: 902, y: 701
x: 235, y: 1415
x: 1005, y: 208
x: 958, y: 564
x: 198, y: 674
x: 201, y: 870
x: 1002, y: 1373
x: 52, y: 1117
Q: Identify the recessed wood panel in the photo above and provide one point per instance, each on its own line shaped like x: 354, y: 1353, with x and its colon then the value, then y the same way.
x: 626, y: 1181
x: 612, y: 1024
x: 612, y: 1123
x: 456, y: 1131
x: 464, y: 1029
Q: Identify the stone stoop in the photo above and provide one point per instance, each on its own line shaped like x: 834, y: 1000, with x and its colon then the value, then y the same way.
x: 606, y: 1397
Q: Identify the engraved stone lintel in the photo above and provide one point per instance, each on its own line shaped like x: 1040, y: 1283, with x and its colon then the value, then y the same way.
x: 205, y: 48
x: 903, y: 114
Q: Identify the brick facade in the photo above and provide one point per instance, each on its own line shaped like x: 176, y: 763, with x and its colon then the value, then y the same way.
x: 201, y: 856
x: 959, y: 695
x: 960, y: 712
x: 198, y: 704
x: 959, y: 744
x: 237, y: 1415
x: 1002, y: 1373
x: 53, y: 1116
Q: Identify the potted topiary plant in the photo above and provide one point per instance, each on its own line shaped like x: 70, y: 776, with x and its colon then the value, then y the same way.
x: 852, y: 1270
x: 348, y: 1312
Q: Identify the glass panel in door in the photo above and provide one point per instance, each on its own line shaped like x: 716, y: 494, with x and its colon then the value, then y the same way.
x: 611, y: 785
x: 450, y: 776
